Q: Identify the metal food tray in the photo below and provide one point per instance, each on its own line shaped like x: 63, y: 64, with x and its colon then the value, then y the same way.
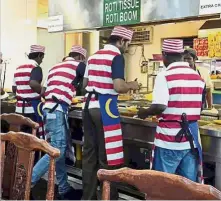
x: 138, y: 103
x: 211, y: 130
x: 217, y: 84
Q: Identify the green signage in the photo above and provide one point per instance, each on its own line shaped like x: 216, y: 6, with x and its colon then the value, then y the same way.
x: 121, y: 12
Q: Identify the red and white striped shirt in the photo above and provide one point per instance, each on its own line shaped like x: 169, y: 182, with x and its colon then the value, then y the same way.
x: 99, y: 73
x: 59, y: 83
x: 22, y: 82
x: 180, y: 88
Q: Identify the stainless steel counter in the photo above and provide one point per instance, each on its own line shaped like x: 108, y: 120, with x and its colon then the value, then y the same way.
x: 142, y: 132
x: 211, y: 143
x: 211, y: 130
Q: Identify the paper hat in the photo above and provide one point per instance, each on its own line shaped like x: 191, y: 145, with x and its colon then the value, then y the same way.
x: 37, y: 48
x: 79, y: 49
x: 122, y: 32
x: 173, y: 46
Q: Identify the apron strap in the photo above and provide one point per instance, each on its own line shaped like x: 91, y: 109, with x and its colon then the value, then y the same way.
x: 24, y: 100
x: 184, y: 132
x: 55, y: 99
x: 23, y: 106
x: 86, y: 110
x: 89, y: 98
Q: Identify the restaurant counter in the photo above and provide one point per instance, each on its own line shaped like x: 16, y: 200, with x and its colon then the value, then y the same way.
x: 140, y: 133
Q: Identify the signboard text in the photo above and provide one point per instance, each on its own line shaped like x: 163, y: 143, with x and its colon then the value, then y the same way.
x: 120, y: 12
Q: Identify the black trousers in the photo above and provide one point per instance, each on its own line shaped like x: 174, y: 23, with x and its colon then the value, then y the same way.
x: 94, y: 155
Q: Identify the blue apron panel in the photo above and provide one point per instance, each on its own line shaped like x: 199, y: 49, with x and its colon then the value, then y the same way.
x: 109, y: 110
x: 65, y: 108
x: 194, y: 130
x: 38, y: 108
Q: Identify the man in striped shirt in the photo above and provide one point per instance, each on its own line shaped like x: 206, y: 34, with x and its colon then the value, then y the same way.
x: 59, y: 89
x: 190, y: 56
x: 177, y: 100
x: 27, y: 86
x: 104, y: 77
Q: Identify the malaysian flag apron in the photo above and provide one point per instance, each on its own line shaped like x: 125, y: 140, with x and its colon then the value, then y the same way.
x: 194, y: 130
x: 112, y: 129
x: 38, y: 109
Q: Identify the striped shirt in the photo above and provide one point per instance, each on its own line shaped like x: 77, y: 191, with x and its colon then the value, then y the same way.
x: 59, y: 83
x: 180, y: 88
x: 23, y: 90
x: 99, y: 73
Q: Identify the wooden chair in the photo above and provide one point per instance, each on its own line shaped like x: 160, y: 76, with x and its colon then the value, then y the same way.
x: 15, y: 122
x: 157, y: 185
x: 27, y: 143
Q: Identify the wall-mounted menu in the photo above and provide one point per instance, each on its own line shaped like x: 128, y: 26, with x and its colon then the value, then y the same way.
x: 201, y: 46
x: 214, y: 44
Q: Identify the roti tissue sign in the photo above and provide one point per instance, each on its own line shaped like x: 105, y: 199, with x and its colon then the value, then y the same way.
x: 121, y: 12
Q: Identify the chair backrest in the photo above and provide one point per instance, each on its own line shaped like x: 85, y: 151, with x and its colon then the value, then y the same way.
x: 28, y: 144
x: 15, y: 122
x: 157, y: 185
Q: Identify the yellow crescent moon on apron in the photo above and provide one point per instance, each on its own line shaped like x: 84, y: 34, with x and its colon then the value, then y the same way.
x: 38, y: 109
x: 107, y: 108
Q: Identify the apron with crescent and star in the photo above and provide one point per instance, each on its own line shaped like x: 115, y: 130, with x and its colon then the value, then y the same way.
x: 112, y: 129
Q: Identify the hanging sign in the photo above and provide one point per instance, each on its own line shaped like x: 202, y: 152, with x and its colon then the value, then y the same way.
x: 121, y: 12
x: 209, y: 7
x: 55, y: 23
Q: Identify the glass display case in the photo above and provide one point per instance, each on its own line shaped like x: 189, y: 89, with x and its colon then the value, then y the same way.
x: 213, y: 65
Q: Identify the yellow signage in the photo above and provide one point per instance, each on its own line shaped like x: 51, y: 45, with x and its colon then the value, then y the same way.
x: 214, y: 44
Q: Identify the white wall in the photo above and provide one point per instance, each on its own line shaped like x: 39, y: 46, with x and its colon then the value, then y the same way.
x: 16, y: 34
x: 54, y: 48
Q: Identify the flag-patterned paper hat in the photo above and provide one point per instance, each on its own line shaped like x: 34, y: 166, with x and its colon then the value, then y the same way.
x: 173, y: 46
x: 122, y: 32
x: 79, y: 49
x: 37, y: 48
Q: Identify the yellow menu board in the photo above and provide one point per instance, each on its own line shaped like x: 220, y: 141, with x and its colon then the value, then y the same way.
x: 214, y: 44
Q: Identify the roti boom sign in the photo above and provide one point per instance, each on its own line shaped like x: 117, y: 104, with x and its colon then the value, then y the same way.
x: 121, y: 12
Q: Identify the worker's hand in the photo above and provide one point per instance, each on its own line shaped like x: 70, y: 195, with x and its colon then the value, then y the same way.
x: 142, y: 113
x: 133, y: 85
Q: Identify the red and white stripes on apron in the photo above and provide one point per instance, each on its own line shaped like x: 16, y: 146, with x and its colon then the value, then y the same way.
x: 185, y: 90
x: 41, y: 130
x: 59, y: 82
x: 24, y: 91
x: 100, y: 81
x: 114, y: 144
